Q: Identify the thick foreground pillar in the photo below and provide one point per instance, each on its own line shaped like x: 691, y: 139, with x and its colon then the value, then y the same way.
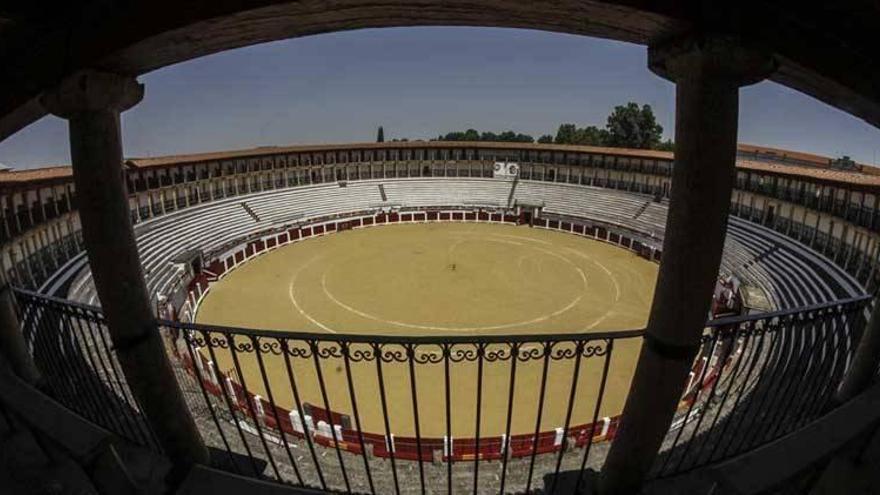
x: 91, y: 102
x: 708, y: 74
x: 865, y: 362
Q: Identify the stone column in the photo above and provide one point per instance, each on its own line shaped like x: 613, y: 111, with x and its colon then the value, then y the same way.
x: 92, y: 102
x: 867, y: 357
x: 708, y: 73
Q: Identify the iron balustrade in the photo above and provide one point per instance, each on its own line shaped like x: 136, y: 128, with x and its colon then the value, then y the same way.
x: 479, y: 414
x: 414, y: 386
x: 761, y: 377
x: 71, y: 347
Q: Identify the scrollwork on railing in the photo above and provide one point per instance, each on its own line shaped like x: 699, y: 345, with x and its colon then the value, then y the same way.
x: 218, y: 341
x: 391, y: 353
x: 755, y: 378
x: 195, y: 338
x: 326, y: 350
x: 299, y: 350
x: 567, y: 352
x: 268, y: 346
x: 469, y: 354
x: 596, y: 349
x: 244, y: 344
x: 359, y: 354
x: 428, y: 356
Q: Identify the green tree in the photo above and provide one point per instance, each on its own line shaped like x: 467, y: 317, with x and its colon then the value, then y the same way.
x: 380, y: 136
x: 629, y: 126
x: 471, y: 135
x: 667, y: 145
x: 515, y: 137
x: 566, y: 134
x: 572, y: 134
x: 474, y: 135
x: 546, y: 139
x: 591, y: 136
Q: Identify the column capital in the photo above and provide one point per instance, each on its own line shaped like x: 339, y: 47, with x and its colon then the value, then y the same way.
x: 90, y: 91
x: 706, y: 56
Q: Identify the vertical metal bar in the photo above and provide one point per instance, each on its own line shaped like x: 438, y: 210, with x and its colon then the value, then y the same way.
x: 756, y: 356
x: 609, y: 349
x: 835, y: 330
x: 823, y: 377
x: 48, y: 335
x: 231, y: 340
x: 209, y: 343
x: 447, y: 350
x: 547, y: 347
x: 114, y: 409
x: 782, y: 382
x: 734, y: 374
x: 514, y: 357
x: 579, y: 349
x: 28, y: 335
x: 481, y: 349
x: 26, y: 310
x: 378, y: 350
x: 32, y: 318
x: 104, y: 356
x: 410, y: 354
x: 807, y: 367
x: 712, y: 400
x: 86, y: 395
x: 307, y: 432
x: 97, y: 322
x: 346, y: 350
x: 793, y: 382
x: 128, y: 398
x: 317, y: 361
x: 258, y: 349
x: 208, y: 402
x: 750, y: 416
x: 703, y: 410
x: 699, y: 388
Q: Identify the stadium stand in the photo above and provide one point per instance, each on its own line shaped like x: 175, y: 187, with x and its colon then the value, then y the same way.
x: 790, y: 273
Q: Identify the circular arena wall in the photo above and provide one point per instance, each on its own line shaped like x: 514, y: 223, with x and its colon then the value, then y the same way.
x: 235, y: 237
x: 332, y: 372
x: 441, y: 279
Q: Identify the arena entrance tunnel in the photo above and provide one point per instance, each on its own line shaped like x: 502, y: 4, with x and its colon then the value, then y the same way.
x: 81, y: 65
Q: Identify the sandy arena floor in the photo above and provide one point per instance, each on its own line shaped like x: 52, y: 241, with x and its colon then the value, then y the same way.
x: 441, y: 279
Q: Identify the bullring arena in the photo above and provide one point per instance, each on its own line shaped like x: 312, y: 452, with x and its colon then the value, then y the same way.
x: 368, y: 317
x: 485, y: 279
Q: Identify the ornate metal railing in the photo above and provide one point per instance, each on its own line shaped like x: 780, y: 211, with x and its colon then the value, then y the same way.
x: 383, y: 414
x: 760, y: 377
x: 71, y: 346
x: 493, y: 414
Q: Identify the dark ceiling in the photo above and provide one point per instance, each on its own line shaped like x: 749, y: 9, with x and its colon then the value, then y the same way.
x: 828, y: 50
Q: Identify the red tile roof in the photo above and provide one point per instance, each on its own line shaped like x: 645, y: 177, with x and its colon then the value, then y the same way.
x: 820, y: 171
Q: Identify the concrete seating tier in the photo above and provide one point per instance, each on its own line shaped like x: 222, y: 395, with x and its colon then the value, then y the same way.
x: 791, y: 274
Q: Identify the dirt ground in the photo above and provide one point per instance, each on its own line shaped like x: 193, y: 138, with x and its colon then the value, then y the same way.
x: 450, y: 279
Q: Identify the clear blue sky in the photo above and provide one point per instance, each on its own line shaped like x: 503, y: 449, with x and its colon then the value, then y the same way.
x: 418, y: 83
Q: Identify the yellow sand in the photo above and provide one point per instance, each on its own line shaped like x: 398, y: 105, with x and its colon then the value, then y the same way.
x: 441, y: 279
